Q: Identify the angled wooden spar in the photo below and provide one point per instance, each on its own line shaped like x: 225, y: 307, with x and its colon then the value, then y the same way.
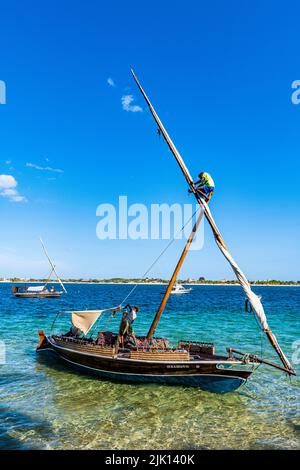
x: 174, y: 277
x: 252, y: 297
x: 165, y: 134
x: 180, y: 161
x: 52, y: 266
x: 258, y: 359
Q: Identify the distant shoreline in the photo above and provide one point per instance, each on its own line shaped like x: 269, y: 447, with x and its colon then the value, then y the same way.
x: 154, y: 283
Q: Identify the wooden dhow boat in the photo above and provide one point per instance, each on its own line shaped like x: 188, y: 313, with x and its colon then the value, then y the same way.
x: 150, y: 359
x: 31, y: 292
x: 41, y: 292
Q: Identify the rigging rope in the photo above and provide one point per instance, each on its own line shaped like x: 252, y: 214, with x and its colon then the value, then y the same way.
x: 161, y: 254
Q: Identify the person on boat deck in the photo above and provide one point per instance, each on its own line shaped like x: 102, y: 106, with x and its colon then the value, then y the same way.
x: 132, y: 312
x: 74, y: 332
x: 205, y: 185
x: 126, y: 331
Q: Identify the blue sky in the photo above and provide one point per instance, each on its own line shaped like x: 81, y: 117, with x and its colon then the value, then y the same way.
x: 218, y: 73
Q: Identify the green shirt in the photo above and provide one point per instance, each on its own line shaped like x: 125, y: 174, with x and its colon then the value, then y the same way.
x: 206, y: 179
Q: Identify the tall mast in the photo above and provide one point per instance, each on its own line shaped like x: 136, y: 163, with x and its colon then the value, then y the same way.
x: 173, y: 278
x: 52, y: 266
x: 252, y: 297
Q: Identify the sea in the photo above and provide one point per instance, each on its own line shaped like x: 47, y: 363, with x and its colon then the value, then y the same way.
x: 46, y: 405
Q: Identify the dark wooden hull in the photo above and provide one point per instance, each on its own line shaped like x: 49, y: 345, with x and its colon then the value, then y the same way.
x: 218, y: 375
x: 37, y: 295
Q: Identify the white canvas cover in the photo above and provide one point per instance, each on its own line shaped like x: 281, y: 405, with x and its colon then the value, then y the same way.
x: 35, y: 288
x: 85, y: 319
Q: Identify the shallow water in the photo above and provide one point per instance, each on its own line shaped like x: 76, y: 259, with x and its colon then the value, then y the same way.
x: 45, y: 405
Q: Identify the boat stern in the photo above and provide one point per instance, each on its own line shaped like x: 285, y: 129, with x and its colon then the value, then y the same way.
x: 43, y: 343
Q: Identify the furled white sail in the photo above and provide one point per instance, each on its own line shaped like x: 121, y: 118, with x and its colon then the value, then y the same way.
x: 252, y: 297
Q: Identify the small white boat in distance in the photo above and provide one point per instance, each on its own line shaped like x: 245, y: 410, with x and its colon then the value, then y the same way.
x: 35, y: 292
x: 27, y: 292
x: 180, y: 289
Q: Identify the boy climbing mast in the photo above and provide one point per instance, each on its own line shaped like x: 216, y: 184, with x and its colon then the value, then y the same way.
x: 205, y: 185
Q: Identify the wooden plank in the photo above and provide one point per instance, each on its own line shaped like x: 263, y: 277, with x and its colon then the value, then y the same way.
x: 160, y: 356
x: 92, y: 348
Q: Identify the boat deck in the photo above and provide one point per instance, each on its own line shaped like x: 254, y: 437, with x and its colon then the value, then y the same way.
x: 185, y: 351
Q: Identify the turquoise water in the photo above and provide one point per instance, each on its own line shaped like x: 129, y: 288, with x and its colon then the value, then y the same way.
x: 45, y: 405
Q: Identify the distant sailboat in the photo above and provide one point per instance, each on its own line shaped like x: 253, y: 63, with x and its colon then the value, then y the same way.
x: 29, y: 292
x: 152, y: 359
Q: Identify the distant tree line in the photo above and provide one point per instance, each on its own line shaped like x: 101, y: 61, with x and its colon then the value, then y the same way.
x: 121, y: 280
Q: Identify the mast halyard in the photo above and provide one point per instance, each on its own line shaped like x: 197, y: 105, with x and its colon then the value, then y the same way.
x: 252, y: 297
x: 174, y: 277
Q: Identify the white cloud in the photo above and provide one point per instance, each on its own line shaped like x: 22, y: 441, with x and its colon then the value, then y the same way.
x: 9, y: 192
x: 12, y: 195
x: 127, y: 106
x: 111, y: 82
x: 7, y: 181
x: 19, y: 199
x: 7, y: 189
x: 44, y: 168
